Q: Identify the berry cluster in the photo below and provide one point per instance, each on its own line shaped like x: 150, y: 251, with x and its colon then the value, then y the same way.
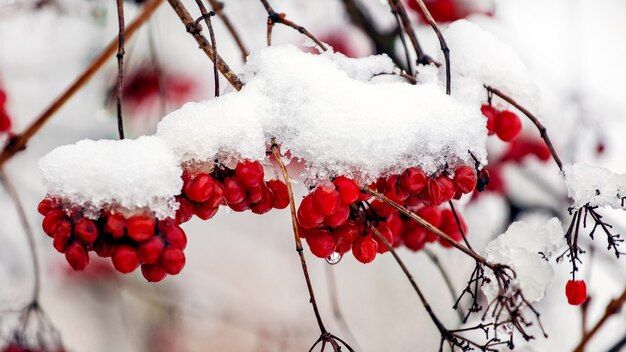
x: 505, y: 124
x: 240, y: 189
x: 443, y: 10
x: 129, y: 241
x: 157, y: 245
x: 5, y: 120
x: 336, y: 217
x: 576, y: 292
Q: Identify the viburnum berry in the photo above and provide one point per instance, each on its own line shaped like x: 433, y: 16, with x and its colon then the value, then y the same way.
x: 218, y: 196
x: 77, y: 256
x: 85, y: 230
x: 348, y: 189
x: 576, y: 292
x: 173, y: 234
x: 249, y: 173
x: 308, y: 216
x: 115, y: 225
x: 204, y: 211
x: 60, y: 243
x: 152, y: 272
x: 280, y: 194
x: 385, y: 232
x: 413, y: 180
x: 51, y: 220
x: 365, y: 249
x: 199, y: 188
x: 185, y: 211
x: 264, y: 205
x: 381, y: 208
x: 5, y: 121
x: 433, y: 193
x: 256, y: 194
x: 396, y: 225
x: 450, y: 227
x: 432, y: 215
x: 239, y: 207
x: 465, y: 178
x: 345, y: 236
x: 447, y: 188
x: 172, y: 260
x: 140, y: 227
x: 125, y: 258
x: 508, y: 125
x: 321, y: 243
x: 234, y: 192
x: 490, y: 113
x: 326, y: 199
x: 150, y: 251
x: 414, y: 236
x: 45, y: 206
x: 339, y: 217
x: 440, y: 10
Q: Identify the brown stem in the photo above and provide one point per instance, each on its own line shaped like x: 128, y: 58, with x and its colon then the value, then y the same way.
x: 296, y: 233
x: 398, y: 9
x: 458, y: 224
x: 273, y: 17
x: 10, y: 188
x: 540, y: 127
x: 612, y: 308
x: 219, y: 9
x: 204, y: 44
x: 120, y: 66
x: 442, y: 42
x: 206, y: 15
x: 18, y: 142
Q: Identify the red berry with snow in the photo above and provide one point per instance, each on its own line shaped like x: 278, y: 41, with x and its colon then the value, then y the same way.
x: 326, y: 199
x: 490, y: 113
x: 348, y: 189
x: 249, y: 173
x: 413, y: 180
x: 140, y: 227
x: 199, y: 188
x: 465, y: 178
x: 234, y: 192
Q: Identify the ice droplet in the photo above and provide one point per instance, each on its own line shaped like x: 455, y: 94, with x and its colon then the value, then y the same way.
x: 334, y: 258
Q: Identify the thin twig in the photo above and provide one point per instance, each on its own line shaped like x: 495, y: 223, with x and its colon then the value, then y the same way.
x: 19, y: 142
x: 612, y: 308
x: 458, y: 224
x: 399, y: 11
x: 219, y: 9
x: 203, y: 43
x: 274, y: 17
x: 206, y: 15
x: 120, y: 67
x: 535, y: 120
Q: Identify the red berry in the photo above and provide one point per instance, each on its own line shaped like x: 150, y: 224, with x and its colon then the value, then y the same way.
x: 576, y: 292
x: 153, y: 273
x: 103, y: 249
x: 63, y: 228
x: 60, y: 243
x: 381, y: 208
x: 185, y: 211
x: 140, y: 227
x: 321, y: 243
x: 205, y: 212
x: 218, y: 197
x: 364, y: 249
x: 387, y: 235
x: 432, y: 215
x: 396, y: 225
x: 265, y: 205
x: 234, y: 192
x: 199, y: 188
x: 393, y: 192
x: 308, y: 216
x: 77, y: 256
x: 280, y: 193
x: 508, y: 125
x: 5, y: 121
x: 490, y: 113
x: 345, y: 236
x: 447, y: 188
x: 239, y: 207
x: 542, y: 151
x: 115, y: 225
x: 173, y: 234
x: 326, y: 199
x: 465, y: 178
x: 172, y: 260
x: 433, y: 194
x: 414, y: 236
x: 150, y: 251
x: 348, y: 189
x: 249, y: 173
x: 450, y: 227
x: 125, y: 258
x: 413, y: 180
x: 86, y: 230
x: 51, y: 220
x: 257, y: 194
x: 45, y: 206
x: 339, y: 217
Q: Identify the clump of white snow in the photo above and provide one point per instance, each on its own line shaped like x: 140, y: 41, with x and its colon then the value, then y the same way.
x: 595, y: 186
x: 526, y: 248
x: 132, y: 174
x: 478, y: 57
x: 327, y: 110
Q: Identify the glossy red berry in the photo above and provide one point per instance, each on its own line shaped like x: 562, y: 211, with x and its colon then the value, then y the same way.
x: 45, y: 206
x: 345, y: 236
x: 77, y: 256
x: 153, y: 272
x: 490, y: 113
x: 173, y: 234
x: 326, y: 199
x: 508, y: 125
x: 125, y: 258
x: 365, y: 249
x: 432, y: 215
x: 199, y: 188
x: 86, y: 230
x: 204, y: 211
x: 387, y: 235
x: 280, y: 193
x: 257, y: 194
x: 150, y: 251
x: 465, y: 178
x: 576, y: 292
x: 339, y: 217
x: 348, y: 189
x: 218, y: 197
x: 265, y: 205
x: 140, y: 227
x: 172, y: 260
x: 308, y: 216
x: 414, y: 236
x: 433, y: 193
x: 447, y: 188
x: 50, y: 221
x: 234, y: 192
x: 60, y: 243
x: 115, y: 225
x: 413, y: 180
x: 451, y: 228
x: 239, y: 207
x: 5, y: 121
x: 321, y: 243
x: 249, y: 173
x: 185, y: 211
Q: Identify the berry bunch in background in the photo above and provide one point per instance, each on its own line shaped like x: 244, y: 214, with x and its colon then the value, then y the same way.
x: 5, y: 119
x: 336, y: 217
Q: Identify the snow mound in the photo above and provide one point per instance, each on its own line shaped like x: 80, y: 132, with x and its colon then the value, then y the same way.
x: 526, y: 248
x: 595, y: 186
x: 134, y: 174
x: 326, y: 110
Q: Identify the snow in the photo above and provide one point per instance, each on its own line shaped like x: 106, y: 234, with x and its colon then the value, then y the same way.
x: 132, y: 174
x: 477, y: 57
x: 526, y: 247
x: 595, y: 186
x: 327, y: 110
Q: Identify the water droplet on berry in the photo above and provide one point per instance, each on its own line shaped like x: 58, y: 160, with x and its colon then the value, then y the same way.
x: 334, y: 258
